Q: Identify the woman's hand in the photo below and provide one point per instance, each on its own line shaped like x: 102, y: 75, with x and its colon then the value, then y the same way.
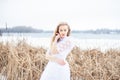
x: 61, y: 62
x: 57, y: 36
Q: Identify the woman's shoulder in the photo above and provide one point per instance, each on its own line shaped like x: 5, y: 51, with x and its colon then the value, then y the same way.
x: 71, y: 41
x: 70, y: 38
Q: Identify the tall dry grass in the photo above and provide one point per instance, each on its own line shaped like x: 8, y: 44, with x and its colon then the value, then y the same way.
x: 23, y: 62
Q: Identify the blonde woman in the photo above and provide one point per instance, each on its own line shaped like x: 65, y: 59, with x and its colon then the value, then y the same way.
x: 61, y: 45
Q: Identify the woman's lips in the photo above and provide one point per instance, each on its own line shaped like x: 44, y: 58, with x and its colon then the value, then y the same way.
x: 63, y: 35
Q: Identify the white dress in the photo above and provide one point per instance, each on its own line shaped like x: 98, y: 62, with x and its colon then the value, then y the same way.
x: 55, y: 71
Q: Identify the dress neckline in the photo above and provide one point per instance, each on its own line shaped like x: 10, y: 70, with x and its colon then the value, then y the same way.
x: 63, y: 38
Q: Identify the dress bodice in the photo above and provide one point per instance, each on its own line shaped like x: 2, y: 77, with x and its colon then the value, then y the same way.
x: 64, y: 46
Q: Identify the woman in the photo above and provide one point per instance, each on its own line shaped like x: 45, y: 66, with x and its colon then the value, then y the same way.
x: 61, y: 45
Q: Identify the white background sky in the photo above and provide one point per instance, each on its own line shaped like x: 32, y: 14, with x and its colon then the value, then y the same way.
x: 46, y: 14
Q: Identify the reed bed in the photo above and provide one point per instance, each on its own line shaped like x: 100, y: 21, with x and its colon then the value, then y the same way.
x: 24, y: 62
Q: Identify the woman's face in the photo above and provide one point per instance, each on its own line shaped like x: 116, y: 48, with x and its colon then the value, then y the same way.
x: 63, y: 30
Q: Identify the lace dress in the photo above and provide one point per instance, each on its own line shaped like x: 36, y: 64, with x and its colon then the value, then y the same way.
x: 55, y: 71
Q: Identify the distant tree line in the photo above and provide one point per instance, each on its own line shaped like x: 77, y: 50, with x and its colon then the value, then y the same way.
x: 0, y: 33
x: 100, y: 31
x: 20, y: 29
x: 24, y: 29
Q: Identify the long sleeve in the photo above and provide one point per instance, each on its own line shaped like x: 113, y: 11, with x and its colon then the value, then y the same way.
x: 49, y: 56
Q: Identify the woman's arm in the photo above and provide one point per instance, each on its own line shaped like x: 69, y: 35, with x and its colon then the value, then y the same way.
x: 54, y: 59
x: 54, y: 45
x: 50, y: 57
x: 54, y: 48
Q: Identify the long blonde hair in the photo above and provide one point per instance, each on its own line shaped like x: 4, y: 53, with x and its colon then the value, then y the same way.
x: 57, y: 31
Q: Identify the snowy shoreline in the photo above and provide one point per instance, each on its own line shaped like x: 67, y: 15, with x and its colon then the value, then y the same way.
x: 102, y: 44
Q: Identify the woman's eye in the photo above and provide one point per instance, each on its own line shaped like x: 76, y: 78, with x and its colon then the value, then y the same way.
x: 61, y: 30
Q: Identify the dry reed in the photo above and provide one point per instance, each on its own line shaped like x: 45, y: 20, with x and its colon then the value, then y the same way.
x: 24, y: 62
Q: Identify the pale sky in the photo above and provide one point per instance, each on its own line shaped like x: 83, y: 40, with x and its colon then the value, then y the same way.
x: 46, y: 14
